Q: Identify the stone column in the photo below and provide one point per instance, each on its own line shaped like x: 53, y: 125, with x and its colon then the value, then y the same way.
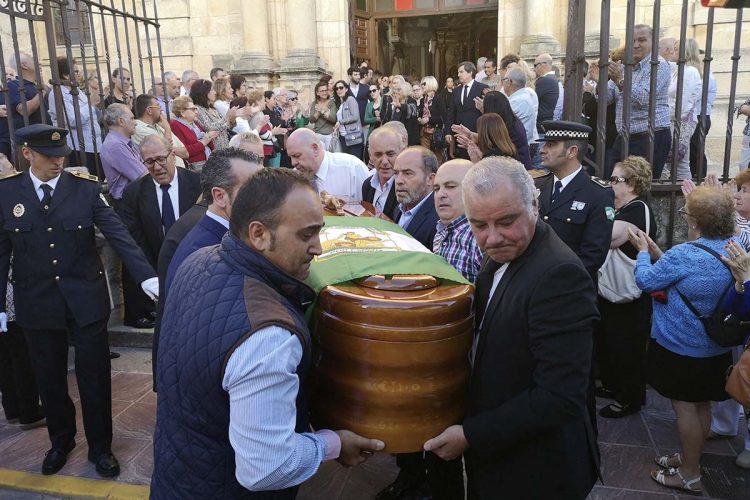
x: 302, y: 67
x: 255, y: 61
x: 537, y: 38
x: 593, y: 29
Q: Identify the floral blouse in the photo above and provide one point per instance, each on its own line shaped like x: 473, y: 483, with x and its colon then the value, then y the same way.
x: 210, y: 119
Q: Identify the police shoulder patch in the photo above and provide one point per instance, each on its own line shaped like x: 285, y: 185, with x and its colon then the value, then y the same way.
x: 600, y: 182
x: 85, y: 176
x: 10, y: 176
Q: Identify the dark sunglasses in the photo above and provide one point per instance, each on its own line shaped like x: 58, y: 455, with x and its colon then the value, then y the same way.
x: 340, y: 88
x: 372, y: 91
x: 616, y: 180
x: 292, y: 98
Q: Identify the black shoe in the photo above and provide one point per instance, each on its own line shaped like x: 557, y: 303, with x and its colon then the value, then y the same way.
x: 114, y: 355
x: 56, y: 458
x: 143, y: 324
x: 618, y: 410
x: 40, y: 421
x: 601, y: 392
x: 106, y: 464
x: 397, y: 490
x: 152, y: 315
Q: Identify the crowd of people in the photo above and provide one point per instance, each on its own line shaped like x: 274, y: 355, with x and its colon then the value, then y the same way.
x: 213, y: 203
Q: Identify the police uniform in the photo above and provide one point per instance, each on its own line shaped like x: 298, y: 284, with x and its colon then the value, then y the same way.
x: 60, y: 287
x: 583, y: 212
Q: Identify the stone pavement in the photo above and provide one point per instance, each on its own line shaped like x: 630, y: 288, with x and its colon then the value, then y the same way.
x: 628, y: 446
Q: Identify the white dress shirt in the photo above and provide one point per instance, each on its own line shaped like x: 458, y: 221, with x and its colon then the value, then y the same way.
x: 218, y: 218
x: 342, y: 175
x: 566, y: 180
x: 174, y: 195
x: 381, y: 193
x: 526, y: 109
x: 468, y: 90
x: 495, y: 281
x: 38, y: 183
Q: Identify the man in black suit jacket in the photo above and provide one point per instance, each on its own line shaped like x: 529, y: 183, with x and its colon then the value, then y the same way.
x: 463, y: 111
x: 151, y: 205
x: 536, y: 308
x: 415, y: 170
x: 548, y: 91
x: 384, y: 145
x: 360, y: 91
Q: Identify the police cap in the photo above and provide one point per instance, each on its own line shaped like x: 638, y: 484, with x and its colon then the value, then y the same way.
x: 561, y: 130
x: 44, y: 139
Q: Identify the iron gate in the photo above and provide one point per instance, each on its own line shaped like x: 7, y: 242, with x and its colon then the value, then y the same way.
x: 99, y: 39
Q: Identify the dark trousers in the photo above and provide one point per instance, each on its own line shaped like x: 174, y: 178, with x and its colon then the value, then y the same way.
x: 445, y: 477
x: 137, y: 305
x: 49, y: 354
x: 638, y: 146
x: 355, y: 150
x: 695, y: 142
x: 17, y: 382
x: 620, y: 345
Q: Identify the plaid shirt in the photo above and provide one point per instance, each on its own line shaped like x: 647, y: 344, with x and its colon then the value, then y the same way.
x: 456, y: 244
x: 640, y: 91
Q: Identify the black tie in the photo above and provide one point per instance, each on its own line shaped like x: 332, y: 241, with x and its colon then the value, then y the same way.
x: 167, y: 210
x: 47, y: 198
x: 466, y: 92
x: 558, y: 188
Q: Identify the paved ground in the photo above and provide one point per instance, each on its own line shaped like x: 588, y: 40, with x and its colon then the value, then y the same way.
x: 628, y: 446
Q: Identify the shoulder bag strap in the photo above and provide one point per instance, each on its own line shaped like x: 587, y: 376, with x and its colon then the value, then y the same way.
x: 721, y: 297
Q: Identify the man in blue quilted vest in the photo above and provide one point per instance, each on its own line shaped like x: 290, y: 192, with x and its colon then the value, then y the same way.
x: 234, y: 354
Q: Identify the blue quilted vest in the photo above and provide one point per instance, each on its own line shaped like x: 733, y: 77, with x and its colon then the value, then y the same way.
x: 213, y: 306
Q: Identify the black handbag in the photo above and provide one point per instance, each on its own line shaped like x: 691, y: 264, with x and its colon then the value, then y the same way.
x: 438, y: 138
x: 727, y: 330
x: 354, y: 138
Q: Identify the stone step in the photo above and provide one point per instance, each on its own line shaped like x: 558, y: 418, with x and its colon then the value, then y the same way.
x: 127, y: 336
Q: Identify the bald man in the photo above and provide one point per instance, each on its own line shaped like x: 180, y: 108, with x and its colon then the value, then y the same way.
x: 338, y: 174
x: 454, y: 240
x: 16, y: 99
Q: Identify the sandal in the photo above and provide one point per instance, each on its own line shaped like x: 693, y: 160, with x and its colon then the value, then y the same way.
x: 663, y: 461
x: 692, y: 485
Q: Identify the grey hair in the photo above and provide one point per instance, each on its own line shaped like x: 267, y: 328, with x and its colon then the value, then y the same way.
x: 517, y: 77
x: 113, y: 113
x: 645, y: 27
x: 486, y: 175
x: 245, y: 138
x: 187, y: 74
x: 399, y: 128
x: 153, y: 138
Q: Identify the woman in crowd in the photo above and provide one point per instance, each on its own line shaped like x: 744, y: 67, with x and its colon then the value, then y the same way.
x: 224, y: 95
x: 433, y: 115
x: 623, y: 331
x: 384, y: 84
x: 692, y: 88
x: 497, y: 102
x: 683, y: 363
x: 239, y: 85
x: 323, y: 114
x: 86, y: 152
x: 372, y: 111
x: 259, y: 122
x: 185, y: 126
x: 492, y: 139
x: 204, y: 97
x: 121, y: 87
x: 329, y: 81
x: 404, y: 109
x: 347, y: 117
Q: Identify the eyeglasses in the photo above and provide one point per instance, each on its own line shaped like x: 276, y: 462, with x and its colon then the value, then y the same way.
x: 292, y: 98
x: 538, y: 64
x: 683, y: 211
x: 340, y: 88
x: 423, y: 84
x: 161, y: 160
x: 191, y: 109
x: 372, y: 91
x: 616, y: 179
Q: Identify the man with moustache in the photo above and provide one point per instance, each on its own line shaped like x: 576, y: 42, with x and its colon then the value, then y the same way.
x: 415, y: 170
x: 536, y: 308
x: 384, y: 145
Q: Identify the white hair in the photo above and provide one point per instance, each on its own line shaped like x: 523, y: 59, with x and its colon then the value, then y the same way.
x: 485, y: 177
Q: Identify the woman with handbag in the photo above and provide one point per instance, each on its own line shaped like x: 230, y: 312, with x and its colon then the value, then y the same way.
x: 432, y: 118
x: 683, y: 363
x: 348, y: 124
x: 622, y: 334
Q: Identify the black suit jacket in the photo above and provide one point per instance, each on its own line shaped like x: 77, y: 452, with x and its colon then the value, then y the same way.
x: 465, y: 114
x: 56, y: 267
x: 438, y: 110
x: 423, y: 225
x: 580, y: 216
x: 527, y: 396
x: 548, y: 90
x: 142, y: 215
x: 391, y: 204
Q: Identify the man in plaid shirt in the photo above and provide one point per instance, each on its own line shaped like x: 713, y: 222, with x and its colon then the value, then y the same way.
x: 454, y: 239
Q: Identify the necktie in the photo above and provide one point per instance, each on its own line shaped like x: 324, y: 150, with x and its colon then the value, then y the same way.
x: 167, y: 210
x: 465, y: 94
x: 47, y: 198
x: 558, y: 188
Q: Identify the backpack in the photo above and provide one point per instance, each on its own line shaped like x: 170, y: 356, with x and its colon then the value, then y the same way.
x: 725, y: 329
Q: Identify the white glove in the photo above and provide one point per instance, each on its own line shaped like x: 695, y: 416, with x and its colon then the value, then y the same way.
x: 3, y: 322
x: 151, y: 287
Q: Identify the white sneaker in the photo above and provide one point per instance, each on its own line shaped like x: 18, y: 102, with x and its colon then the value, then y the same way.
x: 743, y: 459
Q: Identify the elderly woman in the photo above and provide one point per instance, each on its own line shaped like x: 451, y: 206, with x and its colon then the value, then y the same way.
x: 404, y: 109
x: 204, y: 98
x: 742, y: 204
x: 224, y: 95
x: 622, y: 333
x: 185, y: 126
x: 683, y: 363
x: 347, y: 118
x: 323, y: 114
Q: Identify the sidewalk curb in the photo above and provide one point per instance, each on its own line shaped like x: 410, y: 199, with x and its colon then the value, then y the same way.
x: 70, y: 486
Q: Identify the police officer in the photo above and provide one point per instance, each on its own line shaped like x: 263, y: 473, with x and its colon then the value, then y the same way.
x: 47, y: 219
x: 579, y: 208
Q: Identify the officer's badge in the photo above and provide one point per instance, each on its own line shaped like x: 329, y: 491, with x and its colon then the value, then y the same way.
x: 55, y: 136
x: 19, y: 210
x: 578, y: 205
x: 610, y: 213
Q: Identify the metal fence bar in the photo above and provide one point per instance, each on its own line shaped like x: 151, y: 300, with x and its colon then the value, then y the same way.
x: 628, y: 78
x: 656, y: 24
x: 130, y: 55
x: 150, y: 54
x: 140, y: 54
x: 700, y: 167
x: 4, y: 90
x: 38, y: 72
x: 601, y: 87
x: 120, y: 64
x: 96, y: 57
x: 574, y: 58
x: 732, y: 93
x: 21, y: 86
x: 106, y: 55
x: 677, y: 121
x: 161, y: 59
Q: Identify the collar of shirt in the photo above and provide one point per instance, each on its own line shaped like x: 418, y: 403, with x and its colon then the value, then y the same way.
x: 323, y: 170
x: 410, y: 213
x: 566, y: 180
x: 154, y: 126
x: 218, y: 218
x: 375, y: 182
x: 114, y: 135
x: 174, y: 193
x: 468, y: 86
x: 548, y: 73
x: 452, y: 225
x: 37, y: 183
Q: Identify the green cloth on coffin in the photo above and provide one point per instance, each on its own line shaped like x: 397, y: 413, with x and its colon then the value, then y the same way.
x: 356, y: 247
